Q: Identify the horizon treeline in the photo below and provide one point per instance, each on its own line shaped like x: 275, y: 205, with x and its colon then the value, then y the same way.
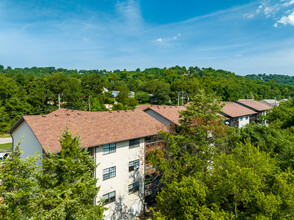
x: 28, y: 91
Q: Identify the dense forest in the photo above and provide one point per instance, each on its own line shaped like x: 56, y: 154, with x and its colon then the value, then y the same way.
x: 284, y: 79
x: 26, y: 91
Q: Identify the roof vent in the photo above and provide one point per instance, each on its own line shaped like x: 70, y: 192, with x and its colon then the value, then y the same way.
x: 68, y: 114
x: 125, y: 110
x: 118, y: 111
x: 110, y: 111
x: 56, y: 115
x: 43, y: 116
x: 78, y: 113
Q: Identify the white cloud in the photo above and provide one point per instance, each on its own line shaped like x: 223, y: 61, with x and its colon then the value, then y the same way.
x: 280, y: 11
x: 289, y: 19
x: 286, y: 4
x: 176, y: 37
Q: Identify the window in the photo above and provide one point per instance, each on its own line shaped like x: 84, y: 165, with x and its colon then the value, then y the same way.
x: 109, y: 173
x: 133, y: 165
x: 109, y: 148
x: 241, y: 118
x: 246, y: 117
x: 109, y: 197
x: 134, y: 143
x: 134, y: 187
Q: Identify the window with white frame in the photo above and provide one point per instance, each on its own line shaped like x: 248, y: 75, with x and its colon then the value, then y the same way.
x: 133, y: 165
x: 134, y: 187
x: 109, y: 148
x: 134, y: 143
x: 109, y: 173
x: 109, y: 197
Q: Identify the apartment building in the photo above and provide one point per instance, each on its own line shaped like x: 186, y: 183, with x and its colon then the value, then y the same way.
x: 116, y: 140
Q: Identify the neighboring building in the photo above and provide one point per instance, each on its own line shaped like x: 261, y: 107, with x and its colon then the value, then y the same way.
x: 255, y: 106
x: 115, y: 139
x: 270, y: 102
x: 237, y: 115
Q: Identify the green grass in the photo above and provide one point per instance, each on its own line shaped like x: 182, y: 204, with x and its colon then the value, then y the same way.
x: 4, y: 135
x: 4, y: 146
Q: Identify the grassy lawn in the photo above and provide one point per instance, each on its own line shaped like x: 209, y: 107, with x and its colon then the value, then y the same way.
x: 4, y: 146
x: 5, y: 135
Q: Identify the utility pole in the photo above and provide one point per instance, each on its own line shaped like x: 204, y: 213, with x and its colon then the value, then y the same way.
x: 178, y: 98
x: 59, y: 101
x: 182, y: 98
x: 89, y: 101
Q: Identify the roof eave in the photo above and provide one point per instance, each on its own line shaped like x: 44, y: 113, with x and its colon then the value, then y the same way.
x: 11, y: 130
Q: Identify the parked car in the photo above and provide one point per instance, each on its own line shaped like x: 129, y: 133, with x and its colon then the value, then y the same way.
x: 3, y: 156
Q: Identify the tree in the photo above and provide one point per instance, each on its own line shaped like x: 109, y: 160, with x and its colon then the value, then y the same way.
x: 205, y: 177
x: 199, y: 136
x: 279, y: 143
x: 67, y: 188
x: 243, y: 184
x: 18, y: 186
x: 92, y: 85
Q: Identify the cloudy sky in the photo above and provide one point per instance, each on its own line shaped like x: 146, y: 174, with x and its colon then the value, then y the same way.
x: 242, y: 36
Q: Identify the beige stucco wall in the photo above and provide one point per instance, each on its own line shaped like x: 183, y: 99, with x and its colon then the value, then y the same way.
x: 29, y: 144
x: 126, y: 205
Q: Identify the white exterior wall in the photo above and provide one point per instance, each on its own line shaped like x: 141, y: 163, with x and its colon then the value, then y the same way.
x: 29, y: 144
x: 126, y: 206
x: 243, y: 120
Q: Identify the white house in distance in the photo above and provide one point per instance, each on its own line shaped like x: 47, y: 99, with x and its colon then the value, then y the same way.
x: 237, y: 115
x: 115, y: 139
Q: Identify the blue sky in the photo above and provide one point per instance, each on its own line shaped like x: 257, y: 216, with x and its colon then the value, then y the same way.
x: 240, y: 36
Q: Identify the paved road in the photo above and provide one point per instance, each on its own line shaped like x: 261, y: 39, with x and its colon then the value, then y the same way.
x: 5, y: 140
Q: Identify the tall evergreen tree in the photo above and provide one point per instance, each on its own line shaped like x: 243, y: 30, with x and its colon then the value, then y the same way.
x: 18, y: 186
x: 67, y: 188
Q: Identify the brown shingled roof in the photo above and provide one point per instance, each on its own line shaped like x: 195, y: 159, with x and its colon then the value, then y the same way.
x: 169, y: 112
x: 234, y: 109
x: 257, y: 106
x: 94, y: 128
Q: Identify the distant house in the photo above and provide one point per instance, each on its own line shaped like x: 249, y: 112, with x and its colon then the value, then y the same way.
x: 108, y: 106
x: 270, y: 102
x: 255, y: 106
x: 114, y: 93
x: 237, y: 115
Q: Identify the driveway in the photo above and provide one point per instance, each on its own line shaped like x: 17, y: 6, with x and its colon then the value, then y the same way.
x: 5, y: 140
